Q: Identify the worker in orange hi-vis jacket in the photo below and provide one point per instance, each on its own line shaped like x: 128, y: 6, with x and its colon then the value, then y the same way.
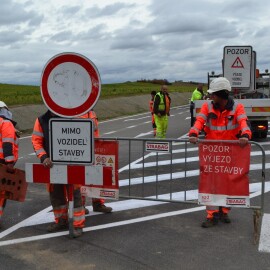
x: 8, y: 145
x: 58, y: 192
x: 98, y: 204
x: 151, y: 108
x: 222, y: 119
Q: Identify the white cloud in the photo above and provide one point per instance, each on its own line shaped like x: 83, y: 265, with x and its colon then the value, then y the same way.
x: 130, y: 39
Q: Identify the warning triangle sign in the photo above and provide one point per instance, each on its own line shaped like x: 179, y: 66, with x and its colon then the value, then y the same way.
x: 237, y: 63
x: 110, y: 160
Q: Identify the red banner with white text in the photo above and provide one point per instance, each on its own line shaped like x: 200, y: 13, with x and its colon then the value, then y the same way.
x: 224, y: 169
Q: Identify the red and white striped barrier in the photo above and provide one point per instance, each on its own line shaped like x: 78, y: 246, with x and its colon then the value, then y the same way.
x: 69, y: 174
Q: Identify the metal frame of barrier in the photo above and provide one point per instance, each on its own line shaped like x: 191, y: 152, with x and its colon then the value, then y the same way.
x: 151, y: 176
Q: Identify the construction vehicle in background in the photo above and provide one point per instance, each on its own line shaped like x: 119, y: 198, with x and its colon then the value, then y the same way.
x: 249, y: 86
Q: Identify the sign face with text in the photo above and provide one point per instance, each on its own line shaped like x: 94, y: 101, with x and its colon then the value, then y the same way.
x: 224, y: 169
x: 237, y: 63
x: 71, y: 141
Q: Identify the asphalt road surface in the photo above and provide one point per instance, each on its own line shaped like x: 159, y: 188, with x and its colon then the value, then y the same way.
x: 139, y: 234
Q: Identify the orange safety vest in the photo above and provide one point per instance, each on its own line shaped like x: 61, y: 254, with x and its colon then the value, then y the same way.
x: 229, y: 124
x: 151, y: 108
x: 92, y: 115
x: 8, y: 136
x: 151, y: 105
x: 168, y: 104
x: 164, y: 104
x: 38, y: 139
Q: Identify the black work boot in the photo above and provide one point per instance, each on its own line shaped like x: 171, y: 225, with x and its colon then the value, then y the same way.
x: 60, y: 226
x: 225, y: 218
x: 210, y: 222
x: 86, y: 211
x: 99, y: 207
x: 77, y: 232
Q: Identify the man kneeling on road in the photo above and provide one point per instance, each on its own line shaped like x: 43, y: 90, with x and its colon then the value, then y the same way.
x: 222, y: 119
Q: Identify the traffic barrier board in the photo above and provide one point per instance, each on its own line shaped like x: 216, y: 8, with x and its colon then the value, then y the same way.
x: 68, y: 174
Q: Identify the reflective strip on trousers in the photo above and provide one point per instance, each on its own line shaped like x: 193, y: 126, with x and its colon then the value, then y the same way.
x: 60, y: 212
x: 79, y: 217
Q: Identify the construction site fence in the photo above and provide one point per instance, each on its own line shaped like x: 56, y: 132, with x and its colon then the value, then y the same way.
x: 173, y: 175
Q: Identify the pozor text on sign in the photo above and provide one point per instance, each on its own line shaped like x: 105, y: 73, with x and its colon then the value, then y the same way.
x: 238, y: 51
x: 218, y: 159
x: 72, y: 141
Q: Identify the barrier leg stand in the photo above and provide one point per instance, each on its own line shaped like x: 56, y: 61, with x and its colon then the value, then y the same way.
x: 256, y: 222
x: 70, y: 210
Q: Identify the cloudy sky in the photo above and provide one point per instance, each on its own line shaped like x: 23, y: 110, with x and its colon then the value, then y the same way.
x: 130, y: 39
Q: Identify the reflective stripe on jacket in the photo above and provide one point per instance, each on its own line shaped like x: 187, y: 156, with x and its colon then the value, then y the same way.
x: 8, y: 141
x: 38, y: 140
x: 40, y: 135
x: 229, y: 124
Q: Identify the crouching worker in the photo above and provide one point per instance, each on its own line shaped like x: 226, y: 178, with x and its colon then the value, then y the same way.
x: 8, y: 146
x: 97, y: 203
x: 224, y: 119
x: 58, y: 192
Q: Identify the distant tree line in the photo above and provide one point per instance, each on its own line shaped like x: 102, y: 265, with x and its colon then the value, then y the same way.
x: 165, y: 81
x: 156, y: 81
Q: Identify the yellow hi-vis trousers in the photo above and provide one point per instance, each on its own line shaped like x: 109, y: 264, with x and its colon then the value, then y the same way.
x: 162, y: 126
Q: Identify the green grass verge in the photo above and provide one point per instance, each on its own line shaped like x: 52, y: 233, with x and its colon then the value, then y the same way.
x: 24, y: 94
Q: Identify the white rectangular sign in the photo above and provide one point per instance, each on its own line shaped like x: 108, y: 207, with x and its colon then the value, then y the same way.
x: 237, y: 62
x: 71, y: 141
x: 100, y: 192
x: 157, y: 146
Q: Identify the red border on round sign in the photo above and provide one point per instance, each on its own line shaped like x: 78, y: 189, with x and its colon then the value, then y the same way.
x: 93, y: 74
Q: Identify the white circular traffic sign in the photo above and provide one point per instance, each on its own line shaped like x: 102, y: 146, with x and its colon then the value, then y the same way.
x: 70, y: 85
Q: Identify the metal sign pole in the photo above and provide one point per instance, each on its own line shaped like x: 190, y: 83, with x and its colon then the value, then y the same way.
x: 70, y: 210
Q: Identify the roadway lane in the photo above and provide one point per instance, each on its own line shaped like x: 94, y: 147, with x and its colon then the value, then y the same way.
x: 138, y: 234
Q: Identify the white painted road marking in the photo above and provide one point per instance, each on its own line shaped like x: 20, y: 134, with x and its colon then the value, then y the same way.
x: 100, y: 227
x: 111, y: 132
x: 45, y: 216
x: 144, y: 134
x: 264, y: 245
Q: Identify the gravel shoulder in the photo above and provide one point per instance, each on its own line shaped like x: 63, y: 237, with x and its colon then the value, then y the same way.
x: 26, y: 115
